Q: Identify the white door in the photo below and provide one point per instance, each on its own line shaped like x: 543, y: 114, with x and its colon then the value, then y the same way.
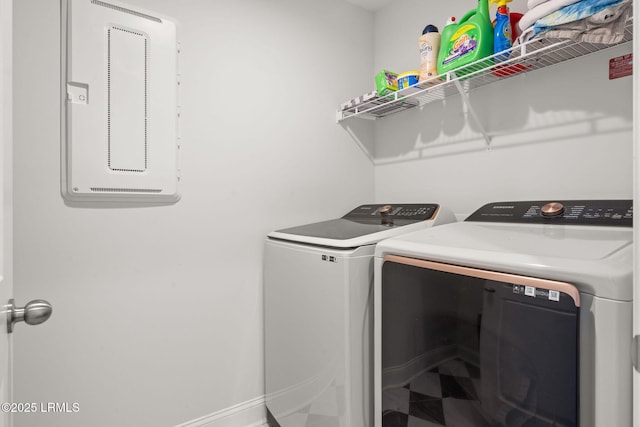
x: 6, y: 285
x: 36, y: 311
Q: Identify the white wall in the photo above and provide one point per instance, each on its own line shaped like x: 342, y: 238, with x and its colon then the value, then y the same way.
x: 564, y: 132
x: 157, y: 311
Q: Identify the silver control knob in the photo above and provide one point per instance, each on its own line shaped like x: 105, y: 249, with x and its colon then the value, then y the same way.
x: 552, y: 209
x: 385, y: 210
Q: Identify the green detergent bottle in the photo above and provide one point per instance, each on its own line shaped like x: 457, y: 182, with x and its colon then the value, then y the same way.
x: 467, y: 41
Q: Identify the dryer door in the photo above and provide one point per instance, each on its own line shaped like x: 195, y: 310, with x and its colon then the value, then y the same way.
x: 463, y: 346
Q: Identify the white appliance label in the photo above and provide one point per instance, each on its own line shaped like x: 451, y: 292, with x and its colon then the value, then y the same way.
x: 554, y: 296
x: 530, y: 291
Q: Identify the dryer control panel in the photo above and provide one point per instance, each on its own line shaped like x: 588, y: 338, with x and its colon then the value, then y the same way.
x: 567, y: 212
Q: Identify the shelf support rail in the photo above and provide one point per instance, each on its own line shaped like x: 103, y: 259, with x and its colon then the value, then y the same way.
x: 472, y: 112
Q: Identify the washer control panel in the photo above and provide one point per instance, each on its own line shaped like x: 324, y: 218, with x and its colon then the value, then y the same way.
x: 579, y: 212
x: 413, y: 212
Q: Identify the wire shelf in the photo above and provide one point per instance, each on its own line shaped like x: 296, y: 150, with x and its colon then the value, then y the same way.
x: 524, y: 58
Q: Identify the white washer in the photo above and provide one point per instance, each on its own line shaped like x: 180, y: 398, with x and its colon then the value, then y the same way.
x: 525, y: 309
x: 318, y: 281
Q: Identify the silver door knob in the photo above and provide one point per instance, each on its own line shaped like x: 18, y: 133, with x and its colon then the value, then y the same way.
x: 34, y: 313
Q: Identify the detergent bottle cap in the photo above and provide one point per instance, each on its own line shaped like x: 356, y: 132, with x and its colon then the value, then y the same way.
x: 430, y: 29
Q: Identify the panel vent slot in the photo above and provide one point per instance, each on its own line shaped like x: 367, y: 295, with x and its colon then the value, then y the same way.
x: 124, y: 190
x: 127, y: 100
x: 124, y: 10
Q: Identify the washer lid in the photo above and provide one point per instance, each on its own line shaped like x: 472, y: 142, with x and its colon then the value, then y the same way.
x: 366, y: 224
x: 337, y: 229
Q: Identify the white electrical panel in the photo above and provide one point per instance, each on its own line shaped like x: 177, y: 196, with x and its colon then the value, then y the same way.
x: 120, y: 112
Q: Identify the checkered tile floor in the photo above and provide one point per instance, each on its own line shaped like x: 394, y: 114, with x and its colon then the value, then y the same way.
x: 444, y: 396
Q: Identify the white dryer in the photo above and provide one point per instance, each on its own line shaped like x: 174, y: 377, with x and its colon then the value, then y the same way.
x: 519, y: 316
x: 318, y: 281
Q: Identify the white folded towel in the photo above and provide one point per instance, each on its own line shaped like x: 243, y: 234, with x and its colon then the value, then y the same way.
x: 543, y: 9
x: 533, y: 3
x: 594, y: 21
x: 606, y: 27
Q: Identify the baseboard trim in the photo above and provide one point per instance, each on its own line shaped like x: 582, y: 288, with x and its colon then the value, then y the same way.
x: 251, y: 413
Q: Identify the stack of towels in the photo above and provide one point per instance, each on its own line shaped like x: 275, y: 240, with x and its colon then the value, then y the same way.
x: 591, y: 21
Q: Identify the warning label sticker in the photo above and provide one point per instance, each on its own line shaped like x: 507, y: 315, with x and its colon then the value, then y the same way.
x: 534, y: 292
x: 621, y: 66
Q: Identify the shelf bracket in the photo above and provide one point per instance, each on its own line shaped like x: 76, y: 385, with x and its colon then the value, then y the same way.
x: 472, y: 112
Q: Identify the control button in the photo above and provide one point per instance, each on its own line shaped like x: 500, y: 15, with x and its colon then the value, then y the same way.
x: 385, y: 210
x: 552, y: 209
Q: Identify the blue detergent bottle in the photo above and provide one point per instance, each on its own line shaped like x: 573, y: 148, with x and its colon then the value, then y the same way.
x: 501, y: 30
